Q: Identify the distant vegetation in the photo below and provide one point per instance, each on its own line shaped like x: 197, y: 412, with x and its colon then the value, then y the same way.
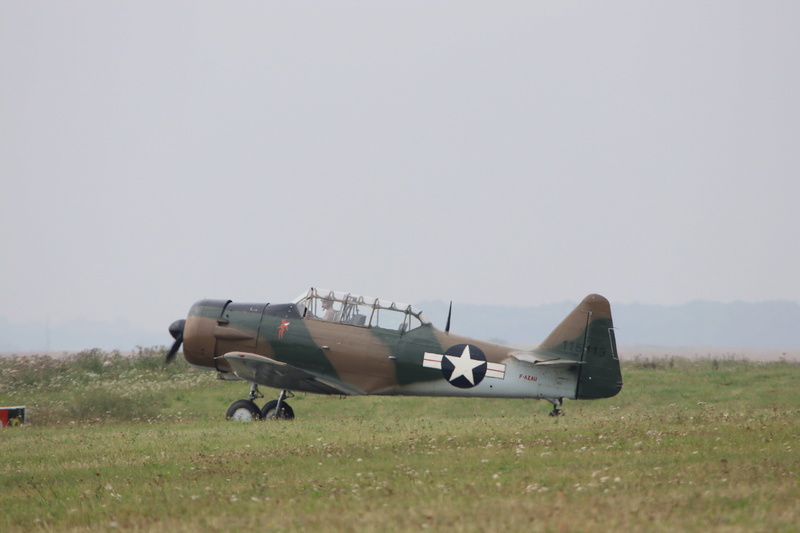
x: 117, y: 442
x: 94, y: 385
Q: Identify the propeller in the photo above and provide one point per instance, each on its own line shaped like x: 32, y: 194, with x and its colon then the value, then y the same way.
x: 176, y: 330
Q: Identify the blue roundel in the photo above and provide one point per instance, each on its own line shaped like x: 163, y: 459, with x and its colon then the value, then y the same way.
x: 464, y: 365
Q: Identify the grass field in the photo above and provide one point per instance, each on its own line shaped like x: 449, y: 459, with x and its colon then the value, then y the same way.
x: 120, y: 443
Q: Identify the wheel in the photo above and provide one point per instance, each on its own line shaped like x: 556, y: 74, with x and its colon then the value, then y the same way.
x: 243, y: 411
x: 268, y: 412
x: 556, y: 412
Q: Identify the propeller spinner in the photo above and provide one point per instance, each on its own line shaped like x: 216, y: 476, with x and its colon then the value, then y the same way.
x: 176, y: 330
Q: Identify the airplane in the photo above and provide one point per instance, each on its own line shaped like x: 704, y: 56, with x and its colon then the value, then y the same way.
x: 332, y: 342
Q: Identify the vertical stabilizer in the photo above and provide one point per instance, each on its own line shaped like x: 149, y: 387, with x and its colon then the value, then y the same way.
x: 587, y: 336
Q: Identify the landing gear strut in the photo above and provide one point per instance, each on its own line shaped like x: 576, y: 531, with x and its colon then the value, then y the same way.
x: 557, y: 402
x: 248, y: 411
x: 254, y: 392
x: 278, y: 409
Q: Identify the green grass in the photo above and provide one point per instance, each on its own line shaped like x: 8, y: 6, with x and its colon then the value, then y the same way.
x: 708, y: 445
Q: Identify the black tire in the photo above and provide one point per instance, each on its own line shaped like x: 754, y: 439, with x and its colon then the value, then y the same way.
x: 243, y: 411
x: 268, y: 411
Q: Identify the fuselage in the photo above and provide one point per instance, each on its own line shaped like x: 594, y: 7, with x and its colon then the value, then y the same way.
x: 367, y: 355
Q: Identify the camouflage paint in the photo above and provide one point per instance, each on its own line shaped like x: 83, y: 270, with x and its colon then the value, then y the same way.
x: 577, y: 360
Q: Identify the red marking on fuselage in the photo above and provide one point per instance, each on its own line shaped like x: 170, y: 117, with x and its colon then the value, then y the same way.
x: 283, y: 328
x: 528, y: 377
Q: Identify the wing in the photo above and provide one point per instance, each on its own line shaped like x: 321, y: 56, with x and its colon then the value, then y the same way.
x: 277, y: 374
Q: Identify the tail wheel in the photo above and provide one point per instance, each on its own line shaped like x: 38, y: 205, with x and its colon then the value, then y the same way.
x: 243, y: 411
x: 269, y: 411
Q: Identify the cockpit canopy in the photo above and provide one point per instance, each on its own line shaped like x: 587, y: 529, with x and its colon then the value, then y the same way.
x: 346, y: 308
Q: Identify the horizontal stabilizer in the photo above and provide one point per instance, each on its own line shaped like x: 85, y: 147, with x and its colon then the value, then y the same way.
x: 527, y: 357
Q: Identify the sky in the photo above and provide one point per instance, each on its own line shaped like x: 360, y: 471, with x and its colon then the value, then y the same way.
x: 155, y: 153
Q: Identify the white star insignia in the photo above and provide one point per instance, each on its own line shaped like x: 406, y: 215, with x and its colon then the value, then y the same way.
x: 464, y: 365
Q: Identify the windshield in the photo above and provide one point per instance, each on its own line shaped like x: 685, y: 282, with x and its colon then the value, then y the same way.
x: 348, y: 308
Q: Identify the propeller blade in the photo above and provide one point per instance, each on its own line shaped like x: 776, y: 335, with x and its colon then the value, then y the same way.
x: 174, y: 350
x: 449, y: 314
x: 176, y: 330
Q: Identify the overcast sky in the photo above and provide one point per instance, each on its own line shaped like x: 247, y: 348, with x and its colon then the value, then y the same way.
x: 156, y: 153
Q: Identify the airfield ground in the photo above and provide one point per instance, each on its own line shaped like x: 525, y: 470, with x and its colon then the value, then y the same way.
x: 707, y: 444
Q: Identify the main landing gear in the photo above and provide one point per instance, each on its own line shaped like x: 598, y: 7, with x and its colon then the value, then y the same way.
x: 557, y: 402
x: 248, y: 411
